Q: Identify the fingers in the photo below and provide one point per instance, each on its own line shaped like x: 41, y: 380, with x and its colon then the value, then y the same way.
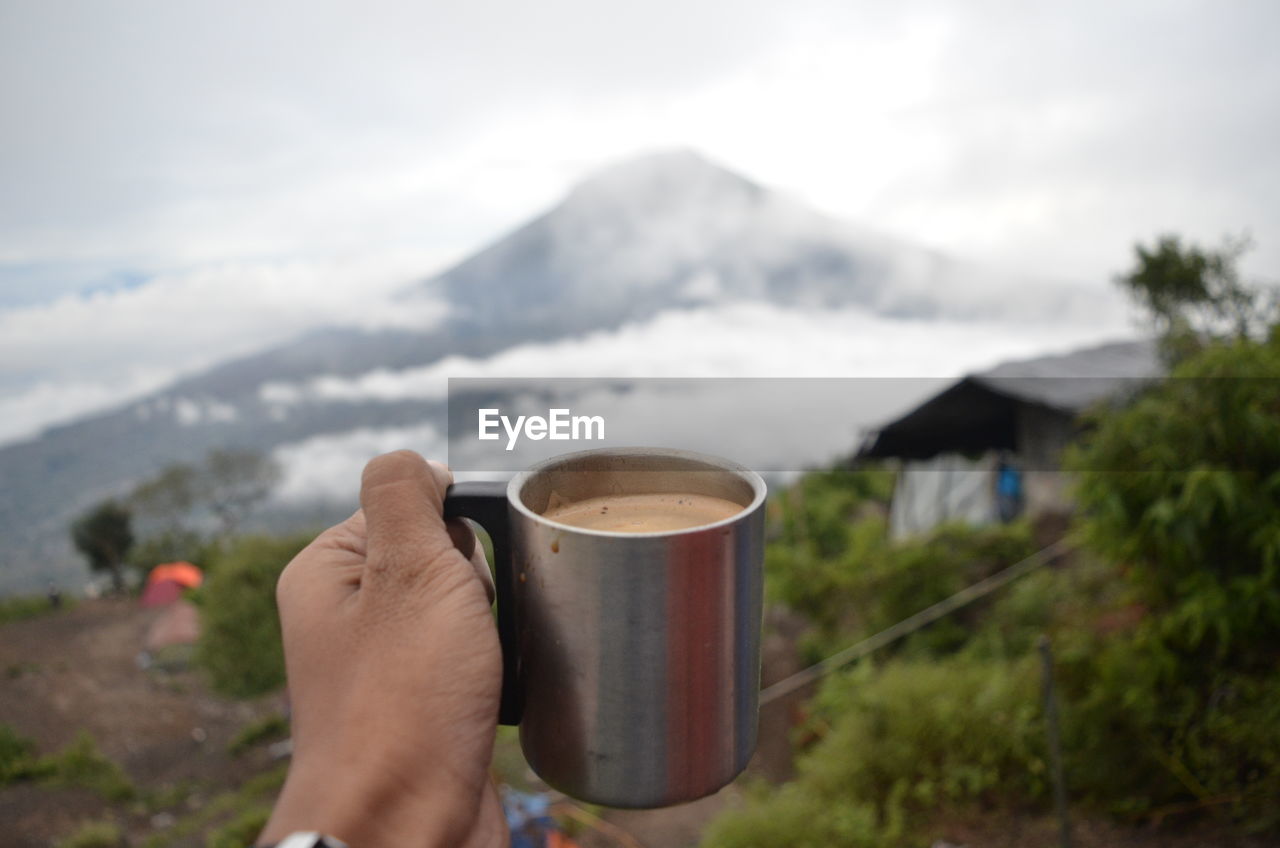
x: 464, y: 539
x: 405, y: 535
x: 402, y: 496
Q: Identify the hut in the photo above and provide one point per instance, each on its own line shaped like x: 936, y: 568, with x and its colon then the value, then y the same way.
x: 1015, y: 418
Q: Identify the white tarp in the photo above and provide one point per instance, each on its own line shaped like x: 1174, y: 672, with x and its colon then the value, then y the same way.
x: 945, y: 488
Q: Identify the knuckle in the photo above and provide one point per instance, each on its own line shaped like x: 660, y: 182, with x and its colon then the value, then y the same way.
x: 398, y: 564
x: 393, y: 466
x: 284, y: 583
x: 401, y: 572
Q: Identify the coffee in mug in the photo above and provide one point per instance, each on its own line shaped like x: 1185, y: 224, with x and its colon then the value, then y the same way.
x: 647, y: 513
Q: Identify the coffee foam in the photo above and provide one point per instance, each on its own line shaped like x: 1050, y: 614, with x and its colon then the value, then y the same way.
x: 648, y: 513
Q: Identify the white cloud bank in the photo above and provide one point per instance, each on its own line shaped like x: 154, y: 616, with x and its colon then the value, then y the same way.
x: 80, y: 353
x: 744, y: 340
x: 741, y: 340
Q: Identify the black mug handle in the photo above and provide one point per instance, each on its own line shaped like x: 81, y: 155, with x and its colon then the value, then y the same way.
x: 486, y: 504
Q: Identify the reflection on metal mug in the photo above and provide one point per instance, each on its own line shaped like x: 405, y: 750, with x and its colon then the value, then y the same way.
x: 631, y: 660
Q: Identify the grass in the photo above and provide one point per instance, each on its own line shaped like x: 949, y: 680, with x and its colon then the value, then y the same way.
x: 15, y: 670
x: 22, y: 607
x: 242, y: 803
x: 164, y: 797
x: 242, y: 830
x: 17, y: 752
x: 100, y: 834
x: 266, y: 729
x: 78, y: 764
x: 82, y: 764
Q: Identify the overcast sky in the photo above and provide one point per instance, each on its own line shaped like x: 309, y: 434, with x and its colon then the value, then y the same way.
x: 153, y: 154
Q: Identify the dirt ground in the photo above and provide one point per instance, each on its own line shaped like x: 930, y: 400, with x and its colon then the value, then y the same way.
x: 78, y: 670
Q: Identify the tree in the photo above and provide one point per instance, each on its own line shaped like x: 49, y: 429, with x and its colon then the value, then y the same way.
x: 104, y: 535
x: 233, y: 481
x: 167, y: 499
x: 1181, y: 490
x: 1193, y: 295
x: 1200, y: 451
x: 1183, y: 487
x: 181, y: 498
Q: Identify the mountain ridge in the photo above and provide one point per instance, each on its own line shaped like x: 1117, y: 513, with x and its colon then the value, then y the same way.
x: 671, y: 231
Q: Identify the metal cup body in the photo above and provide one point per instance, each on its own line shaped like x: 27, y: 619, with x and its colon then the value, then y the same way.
x: 639, y: 654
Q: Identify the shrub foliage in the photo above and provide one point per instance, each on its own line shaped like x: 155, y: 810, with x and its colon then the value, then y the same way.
x: 240, y: 635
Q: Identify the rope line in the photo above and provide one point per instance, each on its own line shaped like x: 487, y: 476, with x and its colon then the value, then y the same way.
x: 912, y: 623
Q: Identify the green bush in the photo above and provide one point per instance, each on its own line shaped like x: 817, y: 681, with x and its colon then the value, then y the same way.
x: 1183, y: 489
x: 240, y: 627
x: 830, y: 559
x: 897, y: 745
x: 817, y: 524
x: 913, y: 736
x: 17, y: 754
x: 872, y: 583
x: 1137, y: 741
x: 793, y: 817
x: 817, y: 511
x: 1234, y: 749
x: 826, y: 588
x: 1055, y: 601
x: 918, y: 573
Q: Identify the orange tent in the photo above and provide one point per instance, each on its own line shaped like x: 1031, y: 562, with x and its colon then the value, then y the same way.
x: 182, y: 573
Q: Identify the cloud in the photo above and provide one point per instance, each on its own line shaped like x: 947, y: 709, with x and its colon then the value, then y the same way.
x: 746, y: 340
x: 742, y: 340
x: 190, y: 412
x: 1050, y: 136
x: 327, y: 468
x: 25, y: 413
x: 80, y: 352
x: 1046, y: 136
x: 180, y: 131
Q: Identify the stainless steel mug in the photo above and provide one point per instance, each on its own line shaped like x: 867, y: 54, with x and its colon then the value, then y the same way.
x: 631, y: 661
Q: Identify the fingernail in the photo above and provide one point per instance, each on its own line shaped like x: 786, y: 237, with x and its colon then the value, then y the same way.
x: 441, y: 472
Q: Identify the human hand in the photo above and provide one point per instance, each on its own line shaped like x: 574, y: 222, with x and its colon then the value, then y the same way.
x: 394, y: 672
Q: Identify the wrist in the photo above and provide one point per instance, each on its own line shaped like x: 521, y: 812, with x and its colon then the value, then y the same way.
x: 307, y: 839
x: 368, y: 807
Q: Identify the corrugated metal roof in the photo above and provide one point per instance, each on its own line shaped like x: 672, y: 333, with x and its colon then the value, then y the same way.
x: 1073, y: 381
x: 978, y: 412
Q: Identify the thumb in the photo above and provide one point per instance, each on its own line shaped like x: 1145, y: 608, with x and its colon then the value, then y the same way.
x: 402, y: 496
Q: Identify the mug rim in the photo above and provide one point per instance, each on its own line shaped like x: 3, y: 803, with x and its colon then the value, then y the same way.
x: 753, y: 479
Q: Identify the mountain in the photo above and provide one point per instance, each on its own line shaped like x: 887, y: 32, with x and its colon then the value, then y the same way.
x: 673, y: 229
x: 644, y: 238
